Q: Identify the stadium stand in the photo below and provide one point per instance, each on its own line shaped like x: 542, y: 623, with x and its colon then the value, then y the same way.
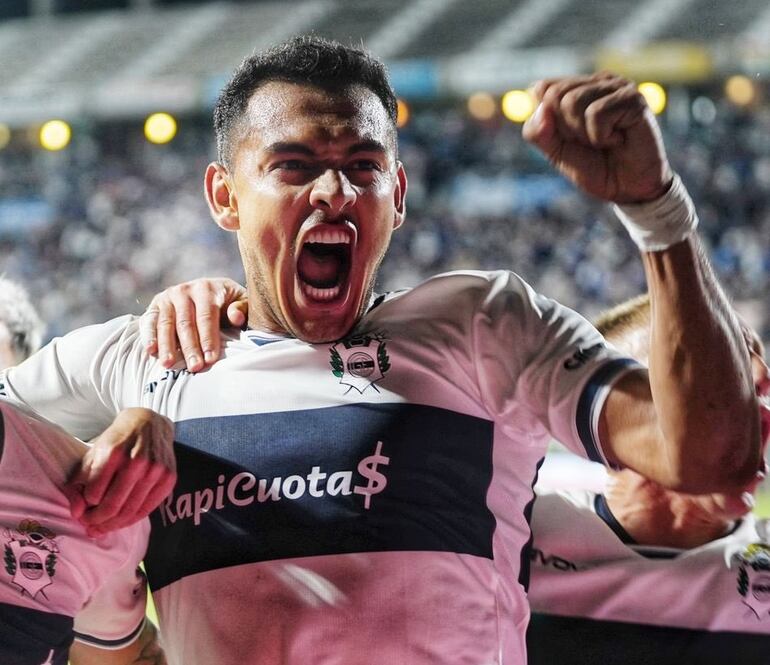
x: 115, y: 206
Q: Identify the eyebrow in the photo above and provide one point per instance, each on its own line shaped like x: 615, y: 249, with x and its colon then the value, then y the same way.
x: 303, y: 149
x: 282, y: 146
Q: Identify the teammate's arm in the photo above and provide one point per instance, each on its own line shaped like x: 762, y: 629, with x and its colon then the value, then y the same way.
x: 82, y: 382
x: 693, y: 423
x: 145, y: 650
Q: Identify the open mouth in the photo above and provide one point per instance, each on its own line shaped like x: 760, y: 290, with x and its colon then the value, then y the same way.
x: 323, y: 265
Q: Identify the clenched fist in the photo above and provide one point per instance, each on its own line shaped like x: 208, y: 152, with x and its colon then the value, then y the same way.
x: 599, y: 132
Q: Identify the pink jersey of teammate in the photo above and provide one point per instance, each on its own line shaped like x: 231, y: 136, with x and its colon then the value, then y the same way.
x: 52, y: 571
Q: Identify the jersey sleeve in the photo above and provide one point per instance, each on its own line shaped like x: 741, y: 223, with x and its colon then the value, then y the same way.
x: 548, y: 361
x: 114, y: 616
x: 80, y: 381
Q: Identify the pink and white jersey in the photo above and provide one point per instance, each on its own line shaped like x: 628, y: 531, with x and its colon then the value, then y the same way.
x: 581, y: 567
x: 591, y: 585
x: 358, y: 502
x: 52, y: 571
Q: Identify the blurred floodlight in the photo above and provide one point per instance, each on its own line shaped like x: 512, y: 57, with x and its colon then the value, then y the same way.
x: 740, y: 90
x: 5, y: 135
x: 518, y: 105
x: 704, y: 110
x: 160, y: 128
x: 482, y: 106
x: 655, y: 96
x: 55, y: 135
x: 403, y: 113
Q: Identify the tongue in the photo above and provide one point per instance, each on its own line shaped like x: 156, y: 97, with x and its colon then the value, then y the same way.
x: 319, y: 270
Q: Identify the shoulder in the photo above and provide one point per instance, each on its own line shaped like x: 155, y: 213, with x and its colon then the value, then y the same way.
x: 90, y: 341
x: 458, y: 292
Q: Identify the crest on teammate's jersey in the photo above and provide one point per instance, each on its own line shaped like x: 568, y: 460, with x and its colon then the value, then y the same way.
x: 30, y: 556
x: 754, y: 578
x: 360, y: 361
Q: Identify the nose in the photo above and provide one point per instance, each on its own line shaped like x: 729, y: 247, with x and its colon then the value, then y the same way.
x: 332, y: 192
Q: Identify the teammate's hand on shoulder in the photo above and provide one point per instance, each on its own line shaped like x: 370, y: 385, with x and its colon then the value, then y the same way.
x: 599, y: 132
x: 128, y: 470
x: 187, y: 318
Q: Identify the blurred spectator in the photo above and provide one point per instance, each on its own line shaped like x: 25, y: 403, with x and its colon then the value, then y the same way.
x: 21, y: 330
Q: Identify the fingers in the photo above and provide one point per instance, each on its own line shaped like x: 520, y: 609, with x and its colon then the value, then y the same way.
x: 125, y: 474
x: 186, y: 318
x: 541, y: 130
x: 207, y: 323
x: 148, y: 325
x: 100, y: 464
x: 539, y: 88
x: 117, y: 512
x: 119, y: 499
x: 587, y: 109
x: 73, y: 490
x: 166, y: 334
x: 237, y: 313
x: 187, y: 331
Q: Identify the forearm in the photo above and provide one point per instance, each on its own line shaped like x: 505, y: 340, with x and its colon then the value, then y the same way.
x: 700, y: 374
x: 146, y: 650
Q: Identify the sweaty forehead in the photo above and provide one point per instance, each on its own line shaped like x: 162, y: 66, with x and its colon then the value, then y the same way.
x: 287, y: 112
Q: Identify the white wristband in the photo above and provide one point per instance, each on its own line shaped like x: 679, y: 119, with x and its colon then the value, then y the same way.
x: 657, y: 225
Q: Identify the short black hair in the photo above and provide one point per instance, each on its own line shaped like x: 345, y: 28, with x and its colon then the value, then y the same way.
x: 306, y: 59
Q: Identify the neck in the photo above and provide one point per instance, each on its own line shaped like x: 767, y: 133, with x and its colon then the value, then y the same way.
x: 653, y: 515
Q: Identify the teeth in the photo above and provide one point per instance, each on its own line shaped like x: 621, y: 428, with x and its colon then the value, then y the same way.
x: 328, y: 236
x: 320, y: 294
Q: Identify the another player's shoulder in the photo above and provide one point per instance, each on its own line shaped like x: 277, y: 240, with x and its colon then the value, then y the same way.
x: 122, y: 330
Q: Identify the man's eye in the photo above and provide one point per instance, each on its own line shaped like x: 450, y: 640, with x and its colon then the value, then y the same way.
x: 293, y: 165
x: 363, y: 165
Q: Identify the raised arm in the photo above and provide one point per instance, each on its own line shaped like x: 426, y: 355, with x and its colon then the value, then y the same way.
x: 693, y: 423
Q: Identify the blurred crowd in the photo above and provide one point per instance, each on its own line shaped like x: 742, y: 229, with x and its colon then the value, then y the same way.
x: 126, y: 218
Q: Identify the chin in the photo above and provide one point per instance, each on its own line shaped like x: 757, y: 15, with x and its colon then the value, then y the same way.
x: 317, y: 318
x: 323, y: 329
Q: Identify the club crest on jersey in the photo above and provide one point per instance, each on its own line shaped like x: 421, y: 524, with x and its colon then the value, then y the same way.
x: 754, y: 578
x: 30, y: 556
x: 360, y: 361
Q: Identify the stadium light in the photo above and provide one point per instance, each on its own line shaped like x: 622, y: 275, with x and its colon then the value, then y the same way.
x: 518, y: 105
x: 5, y: 135
x: 55, y: 135
x: 482, y: 106
x: 160, y: 128
x: 741, y: 90
x: 403, y: 113
x: 655, y: 96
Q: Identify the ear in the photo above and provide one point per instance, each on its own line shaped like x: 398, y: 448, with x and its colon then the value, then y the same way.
x: 399, y: 196
x: 220, y: 195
